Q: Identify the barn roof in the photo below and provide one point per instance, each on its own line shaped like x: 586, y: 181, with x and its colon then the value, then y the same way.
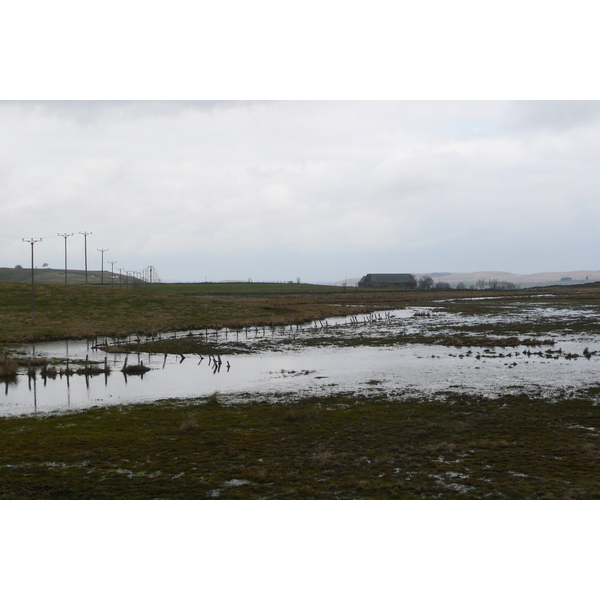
x: 389, y: 278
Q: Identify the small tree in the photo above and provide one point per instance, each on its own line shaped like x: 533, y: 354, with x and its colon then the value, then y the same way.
x: 425, y: 283
x: 18, y: 267
x: 442, y: 285
x: 461, y: 286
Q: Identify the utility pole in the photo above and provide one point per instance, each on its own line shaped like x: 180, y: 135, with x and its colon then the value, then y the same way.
x: 120, y: 269
x: 65, y: 235
x: 112, y: 271
x: 32, y: 241
x: 102, y: 271
x: 85, y: 234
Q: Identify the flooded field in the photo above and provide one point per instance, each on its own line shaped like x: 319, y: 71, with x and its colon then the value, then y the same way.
x: 491, y: 397
x: 488, y: 347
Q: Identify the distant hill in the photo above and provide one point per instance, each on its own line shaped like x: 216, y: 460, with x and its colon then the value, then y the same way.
x: 74, y: 277
x: 528, y: 280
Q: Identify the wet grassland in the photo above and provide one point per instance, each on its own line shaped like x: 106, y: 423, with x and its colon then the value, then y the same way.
x: 450, y: 444
x: 339, y: 447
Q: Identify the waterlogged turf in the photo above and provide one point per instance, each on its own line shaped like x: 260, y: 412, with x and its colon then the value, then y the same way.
x: 340, y: 447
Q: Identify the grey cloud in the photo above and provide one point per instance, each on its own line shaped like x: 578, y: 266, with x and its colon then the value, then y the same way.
x: 86, y: 112
x: 551, y: 115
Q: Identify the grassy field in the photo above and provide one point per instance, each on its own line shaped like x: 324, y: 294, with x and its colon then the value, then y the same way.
x: 76, y: 312
x: 335, y: 448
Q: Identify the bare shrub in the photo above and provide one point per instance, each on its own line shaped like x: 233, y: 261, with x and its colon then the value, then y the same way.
x: 8, y: 369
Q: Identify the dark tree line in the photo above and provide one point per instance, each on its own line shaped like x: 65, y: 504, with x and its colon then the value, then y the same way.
x: 427, y: 283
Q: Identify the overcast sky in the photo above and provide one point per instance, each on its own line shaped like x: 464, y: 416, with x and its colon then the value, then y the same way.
x: 319, y: 190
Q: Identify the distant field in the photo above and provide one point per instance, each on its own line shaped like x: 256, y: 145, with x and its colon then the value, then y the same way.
x: 256, y: 289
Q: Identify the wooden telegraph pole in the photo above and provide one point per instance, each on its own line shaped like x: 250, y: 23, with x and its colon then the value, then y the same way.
x: 32, y: 241
x: 112, y: 271
x: 102, y: 271
x: 65, y: 235
x: 85, y: 234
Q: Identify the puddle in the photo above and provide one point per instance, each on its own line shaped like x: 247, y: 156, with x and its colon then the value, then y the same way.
x: 288, y: 364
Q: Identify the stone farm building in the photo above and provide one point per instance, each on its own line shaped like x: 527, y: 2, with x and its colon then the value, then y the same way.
x: 388, y: 280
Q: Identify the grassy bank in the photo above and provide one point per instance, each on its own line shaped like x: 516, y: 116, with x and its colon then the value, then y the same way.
x: 338, y: 447
x: 77, y: 312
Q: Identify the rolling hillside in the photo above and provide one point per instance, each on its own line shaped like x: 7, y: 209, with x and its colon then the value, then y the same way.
x: 74, y: 277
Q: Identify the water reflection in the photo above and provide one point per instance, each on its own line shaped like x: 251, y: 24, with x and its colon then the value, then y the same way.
x: 68, y: 390
x: 9, y: 382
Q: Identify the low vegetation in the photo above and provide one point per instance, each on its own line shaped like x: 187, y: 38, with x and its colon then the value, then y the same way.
x: 341, y: 447
x: 8, y: 368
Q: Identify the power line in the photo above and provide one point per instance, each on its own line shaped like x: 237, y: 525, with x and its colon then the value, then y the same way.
x: 10, y: 235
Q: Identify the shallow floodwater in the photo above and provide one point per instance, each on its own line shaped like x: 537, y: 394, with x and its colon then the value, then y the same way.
x: 397, y: 371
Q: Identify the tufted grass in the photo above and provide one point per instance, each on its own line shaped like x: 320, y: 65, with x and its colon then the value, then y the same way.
x: 340, y: 447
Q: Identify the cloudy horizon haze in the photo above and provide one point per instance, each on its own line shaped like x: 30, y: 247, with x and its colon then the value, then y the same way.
x: 320, y: 190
